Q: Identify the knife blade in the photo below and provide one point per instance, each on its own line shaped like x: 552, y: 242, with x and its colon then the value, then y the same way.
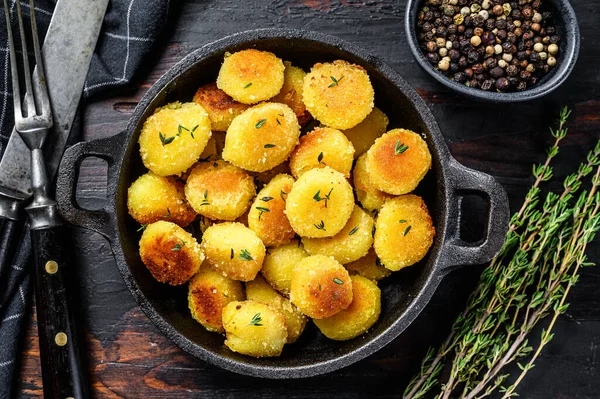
x: 67, y: 52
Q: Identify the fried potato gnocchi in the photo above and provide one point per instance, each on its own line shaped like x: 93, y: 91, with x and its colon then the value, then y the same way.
x: 369, y: 267
x: 364, y: 134
x: 351, y: 243
x: 254, y: 329
x: 151, y: 198
x: 338, y: 94
x: 320, y: 203
x: 367, y: 194
x: 260, y: 291
x: 291, y: 92
x: 398, y: 161
x: 219, y: 190
x: 209, y: 292
x: 173, y: 138
x: 321, y: 286
x: 233, y: 250
x: 279, y: 263
x: 170, y: 253
x: 404, y: 232
x: 322, y: 147
x: 220, y: 107
x: 357, y: 318
x: 267, y: 214
x: 251, y: 76
x: 262, y: 137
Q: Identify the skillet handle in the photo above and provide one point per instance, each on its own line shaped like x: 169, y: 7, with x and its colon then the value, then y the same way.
x: 111, y: 150
x: 464, y: 181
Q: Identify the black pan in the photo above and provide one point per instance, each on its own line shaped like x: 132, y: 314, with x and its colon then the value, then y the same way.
x: 404, y: 294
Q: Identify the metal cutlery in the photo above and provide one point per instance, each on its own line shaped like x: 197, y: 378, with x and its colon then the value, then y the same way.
x: 62, y: 372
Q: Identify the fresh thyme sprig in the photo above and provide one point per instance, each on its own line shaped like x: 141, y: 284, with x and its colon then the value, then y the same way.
x: 528, y: 280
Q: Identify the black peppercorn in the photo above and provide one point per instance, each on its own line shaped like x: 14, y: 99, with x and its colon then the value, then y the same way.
x: 480, y: 77
x: 469, y: 32
x: 501, y: 34
x: 427, y: 27
x: 459, y: 77
x: 431, y: 47
x: 520, y: 46
x: 429, y: 36
x: 490, y: 24
x: 454, y: 67
x: 428, y: 16
x: 477, y: 68
x: 527, y: 12
x: 513, y: 81
x: 511, y: 37
x: 478, y: 21
x: 554, y: 39
x: 501, y: 23
x: 488, y: 38
x: 473, y: 83
x: 468, y: 22
x: 454, y: 54
x: 534, y: 57
x: 446, y: 20
x: 524, y: 75
x: 487, y: 85
x: 536, y: 4
x: 516, y: 13
x: 461, y: 28
x: 490, y: 63
x: 550, y: 30
x: 522, y: 85
x: 434, y: 58
x: 502, y: 84
x: 512, y: 70
x: 462, y: 62
x: 506, y: 47
x: 451, y: 29
x: 469, y: 73
x: 473, y: 57
x: 465, y: 46
x: 442, y: 31
x: 496, y: 72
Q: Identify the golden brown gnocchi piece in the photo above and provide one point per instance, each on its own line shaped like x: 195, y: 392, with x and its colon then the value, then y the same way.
x: 404, y: 232
x: 320, y: 203
x: 170, y: 253
x: 367, y: 194
x: 322, y: 147
x: 291, y: 92
x: 267, y: 214
x: 351, y: 243
x: 357, y: 318
x: 338, y: 94
x: 233, y: 250
x: 209, y: 292
x: 369, y: 267
x: 398, y: 161
x: 260, y: 291
x: 262, y: 137
x: 151, y: 198
x: 364, y: 134
x: 173, y: 138
x: 321, y: 287
x: 220, y: 107
x: 219, y: 190
x: 251, y: 76
x: 279, y: 263
x: 254, y: 329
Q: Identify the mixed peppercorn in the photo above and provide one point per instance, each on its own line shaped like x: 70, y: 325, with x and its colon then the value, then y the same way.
x: 489, y: 44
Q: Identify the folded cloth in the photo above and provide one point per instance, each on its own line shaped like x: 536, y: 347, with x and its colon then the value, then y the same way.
x: 129, y: 30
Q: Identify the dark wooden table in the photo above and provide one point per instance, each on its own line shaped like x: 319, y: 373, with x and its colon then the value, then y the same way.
x: 130, y: 358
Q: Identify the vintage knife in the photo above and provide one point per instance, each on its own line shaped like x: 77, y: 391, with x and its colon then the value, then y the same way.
x: 67, y: 52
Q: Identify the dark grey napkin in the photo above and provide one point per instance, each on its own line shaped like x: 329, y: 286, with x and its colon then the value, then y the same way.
x: 130, y: 29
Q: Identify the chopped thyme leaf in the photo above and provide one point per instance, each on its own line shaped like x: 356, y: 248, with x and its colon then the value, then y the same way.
x: 165, y: 140
x: 232, y: 254
x: 320, y: 159
x: 338, y: 281
x: 205, y: 200
x: 178, y: 247
x: 335, y: 81
x: 266, y: 199
x: 245, y: 255
x: 317, y: 197
x: 142, y: 227
x: 320, y: 226
x: 248, y: 85
x: 402, y: 221
x: 282, y: 193
x: 407, y: 230
x: 353, y: 231
x: 180, y: 129
x: 280, y: 114
x: 399, y: 148
x: 277, y: 119
x: 260, y: 123
x: 262, y: 210
x: 256, y: 320
x: 269, y: 145
x: 168, y: 215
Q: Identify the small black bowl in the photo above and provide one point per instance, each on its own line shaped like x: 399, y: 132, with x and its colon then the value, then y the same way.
x: 567, y: 29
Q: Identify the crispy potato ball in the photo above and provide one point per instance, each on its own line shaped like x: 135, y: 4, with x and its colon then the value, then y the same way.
x: 233, y: 250
x: 278, y: 265
x: 291, y: 92
x: 262, y: 137
x: 369, y: 267
x: 362, y: 313
x: 364, y: 134
x: 404, y: 232
x: 151, y: 198
x: 219, y: 190
x: 262, y: 179
x: 321, y: 287
x: 208, y: 294
x: 170, y: 253
x: 322, y: 147
x: 251, y: 76
x: 367, y: 194
x: 254, y: 329
x: 320, y: 203
x: 220, y: 107
x: 338, y: 94
x: 259, y: 290
x: 173, y: 138
x: 398, y: 161
x: 267, y: 214
x: 351, y: 243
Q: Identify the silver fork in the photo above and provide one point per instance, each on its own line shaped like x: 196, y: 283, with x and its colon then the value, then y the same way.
x: 62, y: 374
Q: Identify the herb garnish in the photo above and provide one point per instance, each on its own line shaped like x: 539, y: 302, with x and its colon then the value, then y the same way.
x: 232, y: 254
x: 248, y: 85
x: 181, y: 128
x: 402, y: 221
x: 262, y: 210
x: 168, y: 215
x: 205, y: 199
x: 165, y: 140
x: 407, y: 230
x: 142, y: 227
x: 260, y: 123
x: 266, y: 199
x: 277, y: 119
x: 282, y: 193
x: 269, y: 145
x: 178, y: 247
x: 373, y: 231
x: 353, y: 231
x: 320, y: 159
x: 338, y: 281
x: 256, y: 320
x: 336, y: 81
x: 245, y: 255
x: 317, y: 197
x: 320, y: 226
x: 399, y: 148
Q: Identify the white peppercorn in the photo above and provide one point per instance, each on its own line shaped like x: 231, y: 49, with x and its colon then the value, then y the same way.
x: 448, y: 44
x: 502, y: 64
x: 537, y: 17
x: 443, y: 52
x: 444, y: 65
x: 551, y: 61
x: 507, y: 57
x: 475, y: 41
x: 465, y: 11
x: 553, y: 49
x: 484, y: 14
x: 543, y: 55
x: 498, y: 49
x: 475, y: 8
x: 538, y: 47
x: 453, y: 2
x: 530, y: 68
x: 486, y: 4
x: 440, y: 42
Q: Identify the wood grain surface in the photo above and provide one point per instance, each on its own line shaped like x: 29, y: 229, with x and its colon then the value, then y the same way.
x: 129, y: 358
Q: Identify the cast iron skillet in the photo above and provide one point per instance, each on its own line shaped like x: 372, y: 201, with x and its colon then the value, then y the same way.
x: 404, y: 294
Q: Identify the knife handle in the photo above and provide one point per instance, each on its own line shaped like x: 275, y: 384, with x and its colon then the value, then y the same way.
x: 63, y: 375
x: 8, y: 233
